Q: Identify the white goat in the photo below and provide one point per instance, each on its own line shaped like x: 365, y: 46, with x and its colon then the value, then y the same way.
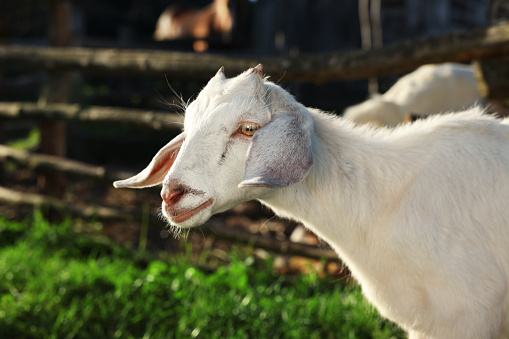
x: 431, y: 89
x: 420, y: 213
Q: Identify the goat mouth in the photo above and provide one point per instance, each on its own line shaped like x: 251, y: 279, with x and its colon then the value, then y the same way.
x: 178, y: 216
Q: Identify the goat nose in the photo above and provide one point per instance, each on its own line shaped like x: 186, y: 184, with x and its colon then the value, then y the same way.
x: 172, y: 194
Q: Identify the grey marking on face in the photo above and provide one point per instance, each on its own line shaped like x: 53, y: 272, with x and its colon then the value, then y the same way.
x: 226, y: 149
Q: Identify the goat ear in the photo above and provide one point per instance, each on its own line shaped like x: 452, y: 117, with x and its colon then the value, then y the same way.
x: 280, y: 152
x: 156, y: 171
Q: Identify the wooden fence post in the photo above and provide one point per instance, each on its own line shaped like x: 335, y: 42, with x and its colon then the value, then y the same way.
x: 57, y: 90
x: 2, y: 140
x: 371, y: 32
x: 4, y: 40
x: 493, y: 74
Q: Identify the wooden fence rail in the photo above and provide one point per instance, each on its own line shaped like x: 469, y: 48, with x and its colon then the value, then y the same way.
x: 51, y: 163
x: 482, y: 43
x: 98, y: 114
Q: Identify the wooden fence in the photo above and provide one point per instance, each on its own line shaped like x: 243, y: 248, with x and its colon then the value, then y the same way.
x: 489, y: 43
x: 400, y: 57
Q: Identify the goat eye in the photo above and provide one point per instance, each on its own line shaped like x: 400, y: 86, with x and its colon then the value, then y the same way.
x: 248, y: 128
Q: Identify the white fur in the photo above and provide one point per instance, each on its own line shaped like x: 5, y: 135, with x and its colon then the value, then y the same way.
x: 431, y: 89
x: 420, y: 213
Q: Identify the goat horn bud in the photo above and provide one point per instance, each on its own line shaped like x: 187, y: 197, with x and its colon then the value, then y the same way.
x: 220, y: 72
x: 258, y: 70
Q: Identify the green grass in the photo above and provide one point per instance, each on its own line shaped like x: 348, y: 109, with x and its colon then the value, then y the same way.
x: 56, y: 283
x: 29, y: 142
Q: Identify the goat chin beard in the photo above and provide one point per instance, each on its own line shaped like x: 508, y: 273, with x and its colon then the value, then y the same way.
x: 174, y: 229
x: 178, y: 231
x: 184, y: 227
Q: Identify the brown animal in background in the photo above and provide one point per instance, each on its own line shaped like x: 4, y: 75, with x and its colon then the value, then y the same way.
x: 181, y: 21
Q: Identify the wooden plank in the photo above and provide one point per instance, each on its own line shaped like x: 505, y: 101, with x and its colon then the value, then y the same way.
x: 156, y: 120
x: 51, y: 163
x: 400, y: 57
x: 44, y: 202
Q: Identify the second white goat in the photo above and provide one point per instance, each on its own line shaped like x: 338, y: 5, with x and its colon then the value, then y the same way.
x: 430, y: 89
x: 420, y: 214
